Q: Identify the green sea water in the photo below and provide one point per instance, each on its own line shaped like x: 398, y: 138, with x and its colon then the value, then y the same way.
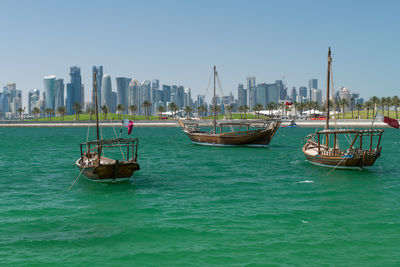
x: 194, y: 205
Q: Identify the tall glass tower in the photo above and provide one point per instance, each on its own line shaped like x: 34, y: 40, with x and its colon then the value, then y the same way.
x: 106, y: 92
x: 122, y: 92
x: 59, y: 94
x: 49, y: 88
x: 76, y: 85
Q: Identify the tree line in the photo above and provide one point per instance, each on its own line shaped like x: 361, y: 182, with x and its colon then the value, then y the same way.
x: 371, y: 106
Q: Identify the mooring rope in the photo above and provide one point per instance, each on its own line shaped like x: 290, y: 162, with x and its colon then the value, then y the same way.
x: 343, y: 157
x: 77, y: 178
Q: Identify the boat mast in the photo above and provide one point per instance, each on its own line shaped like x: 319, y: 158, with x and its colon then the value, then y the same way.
x: 215, y: 105
x: 328, y: 88
x: 97, y: 115
x: 327, y: 94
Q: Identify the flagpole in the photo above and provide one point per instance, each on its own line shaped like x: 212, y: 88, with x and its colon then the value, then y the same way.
x: 374, y: 117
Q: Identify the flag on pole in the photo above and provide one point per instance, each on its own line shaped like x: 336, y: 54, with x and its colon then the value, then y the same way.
x: 391, y: 122
x: 128, y: 124
x: 288, y: 103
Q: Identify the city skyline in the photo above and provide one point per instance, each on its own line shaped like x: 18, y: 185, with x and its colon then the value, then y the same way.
x: 179, y: 42
x: 74, y: 90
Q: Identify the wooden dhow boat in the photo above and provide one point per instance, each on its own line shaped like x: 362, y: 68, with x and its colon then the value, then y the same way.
x: 248, y: 133
x: 323, y: 149
x: 95, y: 166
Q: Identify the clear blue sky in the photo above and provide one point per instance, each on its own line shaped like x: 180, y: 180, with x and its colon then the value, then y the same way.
x: 179, y: 42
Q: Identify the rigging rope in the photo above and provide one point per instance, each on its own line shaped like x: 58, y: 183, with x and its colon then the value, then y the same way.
x: 209, y: 82
x: 343, y: 157
x: 77, y: 178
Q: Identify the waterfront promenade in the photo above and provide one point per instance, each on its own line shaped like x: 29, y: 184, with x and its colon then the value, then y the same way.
x: 343, y: 123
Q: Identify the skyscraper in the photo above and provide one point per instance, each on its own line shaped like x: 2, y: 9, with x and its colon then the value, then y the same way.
x: 187, y: 102
x: 282, y: 89
x: 49, y: 88
x: 262, y: 97
x: 302, y: 93
x: 82, y: 95
x: 33, y: 100
x: 106, y: 91
x: 70, y: 98
x: 251, y: 88
x: 317, y: 96
x: 75, y: 87
x: 293, y: 94
x: 201, y: 100
x: 312, y: 84
x: 134, y: 93
x: 242, y: 95
x: 166, y: 93
x: 122, y: 92
x: 155, y: 85
x: 272, y: 93
x: 174, y: 94
x: 181, y: 95
x: 99, y: 76
x: 114, y: 102
x: 58, y: 94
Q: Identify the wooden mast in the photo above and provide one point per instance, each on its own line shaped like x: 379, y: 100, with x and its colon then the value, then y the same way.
x: 327, y: 95
x: 215, y: 106
x: 97, y: 116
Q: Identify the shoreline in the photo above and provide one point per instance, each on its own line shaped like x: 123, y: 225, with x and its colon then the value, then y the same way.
x: 173, y: 123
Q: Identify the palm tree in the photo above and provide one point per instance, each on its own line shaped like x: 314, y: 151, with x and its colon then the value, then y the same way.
x: 270, y: 106
x: 395, y: 103
x: 20, y: 112
x: 49, y: 111
x: 240, y: 109
x: 374, y: 100
x: 133, y: 109
x: 368, y: 105
x: 176, y: 109
x: 388, y: 102
x: 257, y: 108
x: 105, y: 111
x: 358, y: 107
x: 217, y: 109
x: 173, y: 108
x: 160, y: 110
x: 300, y: 107
x: 36, y: 112
x: 146, y: 105
x: 201, y: 110
x: 344, y: 103
x: 296, y: 106
x: 61, y: 111
x: 382, y: 104
x: 187, y: 110
x: 314, y: 105
x: 245, y: 109
x: 90, y: 110
x: 229, y: 109
x: 351, y: 107
x: 120, y: 108
x: 78, y: 109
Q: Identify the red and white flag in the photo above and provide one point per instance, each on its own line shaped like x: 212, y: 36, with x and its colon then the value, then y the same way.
x: 389, y: 121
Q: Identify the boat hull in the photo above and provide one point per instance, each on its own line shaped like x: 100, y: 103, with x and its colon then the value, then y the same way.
x: 112, y: 172
x: 255, y: 138
x: 348, y: 161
